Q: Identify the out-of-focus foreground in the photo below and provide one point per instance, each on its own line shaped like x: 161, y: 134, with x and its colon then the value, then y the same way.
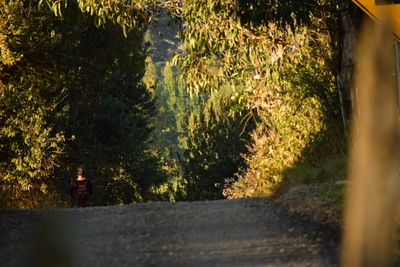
x: 374, y: 185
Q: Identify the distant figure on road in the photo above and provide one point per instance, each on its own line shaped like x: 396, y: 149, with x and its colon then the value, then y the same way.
x: 81, y: 189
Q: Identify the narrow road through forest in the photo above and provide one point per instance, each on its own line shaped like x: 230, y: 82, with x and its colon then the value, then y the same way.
x: 241, y: 232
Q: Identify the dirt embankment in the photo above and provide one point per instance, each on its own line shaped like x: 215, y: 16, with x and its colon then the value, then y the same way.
x: 318, y: 203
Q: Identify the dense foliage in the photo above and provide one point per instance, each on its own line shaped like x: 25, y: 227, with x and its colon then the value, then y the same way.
x: 199, y: 147
x: 255, y: 104
x: 278, y: 60
x: 72, y: 93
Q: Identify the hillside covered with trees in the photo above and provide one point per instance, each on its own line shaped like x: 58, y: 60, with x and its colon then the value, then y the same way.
x: 220, y: 99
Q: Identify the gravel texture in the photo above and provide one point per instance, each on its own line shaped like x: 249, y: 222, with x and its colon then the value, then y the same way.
x: 240, y: 232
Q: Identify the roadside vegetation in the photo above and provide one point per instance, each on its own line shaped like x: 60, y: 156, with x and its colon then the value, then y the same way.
x: 220, y: 99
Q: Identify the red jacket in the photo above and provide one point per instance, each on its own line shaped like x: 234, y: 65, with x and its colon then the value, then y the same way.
x: 80, y: 191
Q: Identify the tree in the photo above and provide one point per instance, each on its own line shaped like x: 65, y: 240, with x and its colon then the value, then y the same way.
x: 215, y: 144
x: 31, y: 89
x: 270, y: 62
x: 72, y: 93
x: 278, y: 60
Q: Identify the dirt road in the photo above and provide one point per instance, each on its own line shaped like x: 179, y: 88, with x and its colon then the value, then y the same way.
x: 242, y: 232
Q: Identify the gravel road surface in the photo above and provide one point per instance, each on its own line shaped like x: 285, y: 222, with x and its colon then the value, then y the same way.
x: 241, y: 232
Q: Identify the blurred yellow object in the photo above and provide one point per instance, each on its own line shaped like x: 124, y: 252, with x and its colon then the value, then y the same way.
x: 373, y: 195
x: 376, y: 11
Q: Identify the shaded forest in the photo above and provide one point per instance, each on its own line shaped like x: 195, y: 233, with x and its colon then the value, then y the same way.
x: 172, y: 100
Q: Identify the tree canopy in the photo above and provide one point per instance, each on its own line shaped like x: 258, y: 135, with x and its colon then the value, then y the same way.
x: 72, y: 93
x: 257, y: 96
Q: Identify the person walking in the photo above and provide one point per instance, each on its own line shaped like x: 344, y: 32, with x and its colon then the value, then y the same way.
x: 81, y: 189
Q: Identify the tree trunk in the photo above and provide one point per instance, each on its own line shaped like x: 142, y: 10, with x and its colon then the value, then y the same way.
x: 349, y: 18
